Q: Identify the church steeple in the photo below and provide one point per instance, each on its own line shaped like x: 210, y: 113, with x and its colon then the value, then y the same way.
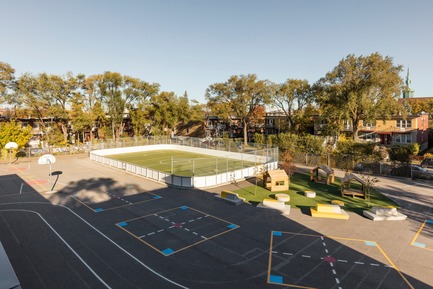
x: 407, y: 92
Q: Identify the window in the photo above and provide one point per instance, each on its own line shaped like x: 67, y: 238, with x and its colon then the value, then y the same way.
x: 404, y: 123
x: 279, y: 183
x: 367, y: 123
x: 403, y: 138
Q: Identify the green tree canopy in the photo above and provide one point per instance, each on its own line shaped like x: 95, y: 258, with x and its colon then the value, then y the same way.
x: 7, y: 80
x: 239, y: 96
x: 291, y: 97
x: 360, y: 87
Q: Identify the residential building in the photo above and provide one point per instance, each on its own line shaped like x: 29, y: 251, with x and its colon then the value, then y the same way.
x: 398, y: 130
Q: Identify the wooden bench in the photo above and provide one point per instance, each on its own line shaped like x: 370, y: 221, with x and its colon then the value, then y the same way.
x: 384, y: 214
x: 329, y: 211
x: 276, y: 205
x: 352, y: 193
x: 230, y: 197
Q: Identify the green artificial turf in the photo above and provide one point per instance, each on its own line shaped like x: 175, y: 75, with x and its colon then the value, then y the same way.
x: 182, y: 163
x: 324, y: 195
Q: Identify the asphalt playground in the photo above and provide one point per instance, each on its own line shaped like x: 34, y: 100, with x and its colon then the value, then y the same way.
x: 91, y: 226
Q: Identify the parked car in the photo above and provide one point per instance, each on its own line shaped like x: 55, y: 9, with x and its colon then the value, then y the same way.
x: 427, y: 163
x: 421, y: 173
x: 414, y: 171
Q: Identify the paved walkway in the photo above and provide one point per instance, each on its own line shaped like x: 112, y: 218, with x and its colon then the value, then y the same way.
x: 237, y: 259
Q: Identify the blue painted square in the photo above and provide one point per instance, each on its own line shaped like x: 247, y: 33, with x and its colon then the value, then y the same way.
x: 430, y: 222
x: 184, y: 208
x: 276, y: 279
x: 122, y: 224
x: 157, y: 197
x: 369, y: 243
x: 232, y: 226
x: 99, y: 210
x: 276, y: 233
x: 421, y: 245
x: 167, y: 251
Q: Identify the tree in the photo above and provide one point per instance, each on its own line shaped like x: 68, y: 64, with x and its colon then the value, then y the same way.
x: 7, y: 80
x: 239, y: 96
x: 163, y: 112
x: 360, y: 87
x: 111, y: 91
x: 13, y: 132
x: 92, y: 100
x: 80, y: 120
x: 56, y: 91
x: 291, y: 97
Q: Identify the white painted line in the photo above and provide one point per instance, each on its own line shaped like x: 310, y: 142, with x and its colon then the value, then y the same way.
x: 360, y: 263
x: 120, y: 247
x: 194, y: 233
x: 374, y: 264
x: 337, y: 280
x: 191, y: 221
x: 326, y: 250
x: 204, y: 237
x: 159, y: 231
x: 21, y: 189
x: 274, y: 252
x: 340, y: 260
x: 306, y: 256
x: 290, y: 254
x: 150, y: 234
x: 333, y: 271
x: 63, y: 240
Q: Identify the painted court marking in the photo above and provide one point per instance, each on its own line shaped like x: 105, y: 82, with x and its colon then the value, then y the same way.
x: 314, y: 261
x: 111, y: 200
x: 174, y: 230
x: 422, y: 241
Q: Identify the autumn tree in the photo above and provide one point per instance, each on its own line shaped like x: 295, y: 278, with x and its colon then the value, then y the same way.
x: 239, y: 96
x: 360, y: 87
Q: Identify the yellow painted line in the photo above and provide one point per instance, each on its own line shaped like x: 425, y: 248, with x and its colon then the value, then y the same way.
x: 330, y: 237
x: 270, y: 255
x: 82, y: 203
x: 126, y: 205
x: 419, y: 232
x: 204, y: 240
x: 141, y: 240
x: 270, y: 263
x: 183, y: 248
x: 358, y: 240
x: 395, y: 267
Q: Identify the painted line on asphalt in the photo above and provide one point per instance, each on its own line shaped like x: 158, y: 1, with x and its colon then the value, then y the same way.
x: 63, y: 240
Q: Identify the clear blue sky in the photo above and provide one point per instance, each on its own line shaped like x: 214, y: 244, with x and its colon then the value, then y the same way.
x: 186, y: 45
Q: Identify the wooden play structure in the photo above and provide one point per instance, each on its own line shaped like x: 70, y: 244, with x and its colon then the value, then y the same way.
x: 317, y: 172
x: 276, y: 180
x: 346, y: 189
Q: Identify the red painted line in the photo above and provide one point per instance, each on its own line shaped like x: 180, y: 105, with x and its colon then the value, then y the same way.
x: 36, y: 182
